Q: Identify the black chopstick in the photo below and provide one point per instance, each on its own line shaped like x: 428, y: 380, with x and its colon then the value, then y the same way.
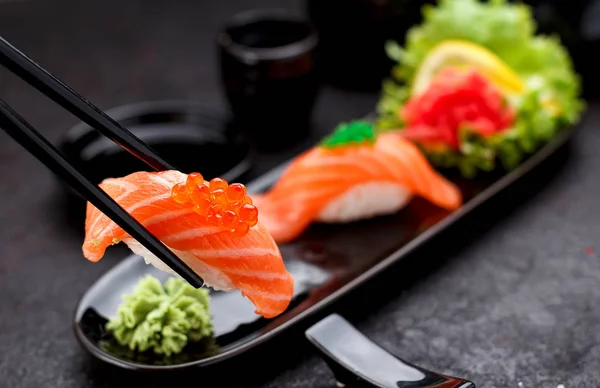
x: 27, y: 136
x: 22, y: 132
x: 42, y: 80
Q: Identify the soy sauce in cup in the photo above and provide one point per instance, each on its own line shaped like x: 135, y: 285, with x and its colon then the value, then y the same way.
x: 268, y: 69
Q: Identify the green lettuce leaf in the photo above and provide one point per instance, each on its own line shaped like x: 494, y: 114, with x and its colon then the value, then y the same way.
x: 509, y: 31
x: 162, y: 319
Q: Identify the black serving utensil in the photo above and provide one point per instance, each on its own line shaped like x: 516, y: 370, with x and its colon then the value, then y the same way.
x: 27, y: 136
x: 357, y: 361
x: 22, y: 132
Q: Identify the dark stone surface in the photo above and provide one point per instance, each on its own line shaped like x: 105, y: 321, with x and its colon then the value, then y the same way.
x: 509, y: 297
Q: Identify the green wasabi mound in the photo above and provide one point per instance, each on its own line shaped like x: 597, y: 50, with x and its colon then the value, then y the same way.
x: 345, y: 134
x: 162, y: 319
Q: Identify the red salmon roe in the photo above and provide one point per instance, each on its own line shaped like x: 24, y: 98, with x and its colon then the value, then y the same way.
x: 201, y: 207
x: 221, y: 204
x: 214, y: 215
x: 249, y: 214
x: 198, y: 193
x: 235, y: 206
x: 240, y: 229
x: 229, y: 219
x: 235, y: 192
x: 179, y: 193
x: 194, y: 180
x: 217, y: 183
x: 218, y: 196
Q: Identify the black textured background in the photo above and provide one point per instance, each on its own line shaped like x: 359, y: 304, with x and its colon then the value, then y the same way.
x: 508, y: 299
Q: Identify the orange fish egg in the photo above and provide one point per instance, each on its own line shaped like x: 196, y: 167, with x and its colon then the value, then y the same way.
x: 199, y: 193
x: 217, y: 183
x: 202, y: 206
x: 218, y: 197
x: 214, y: 215
x: 219, y: 203
x: 235, y: 192
x: 249, y: 214
x: 179, y: 193
x: 193, y: 180
x: 240, y: 229
x: 229, y: 219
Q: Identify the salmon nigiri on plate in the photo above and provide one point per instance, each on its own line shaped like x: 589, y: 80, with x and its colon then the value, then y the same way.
x: 284, y: 246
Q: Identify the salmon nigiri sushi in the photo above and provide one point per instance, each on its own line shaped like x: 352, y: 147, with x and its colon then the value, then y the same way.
x: 354, y: 174
x: 212, y: 226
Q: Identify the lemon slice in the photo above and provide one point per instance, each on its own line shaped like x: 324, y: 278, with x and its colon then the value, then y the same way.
x: 463, y: 54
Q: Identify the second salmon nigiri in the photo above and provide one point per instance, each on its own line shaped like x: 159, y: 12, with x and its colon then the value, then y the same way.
x: 354, y: 174
x: 212, y: 226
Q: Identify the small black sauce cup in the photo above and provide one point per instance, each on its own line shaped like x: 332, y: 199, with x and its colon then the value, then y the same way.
x: 268, y: 69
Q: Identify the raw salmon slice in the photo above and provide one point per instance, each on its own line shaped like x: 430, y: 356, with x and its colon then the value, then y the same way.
x: 348, y: 183
x: 251, y: 263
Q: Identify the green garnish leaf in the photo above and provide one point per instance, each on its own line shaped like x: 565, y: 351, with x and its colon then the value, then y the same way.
x: 354, y: 132
x: 394, y: 50
x: 162, y: 319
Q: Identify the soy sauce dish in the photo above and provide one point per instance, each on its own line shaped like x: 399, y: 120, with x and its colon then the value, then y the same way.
x: 190, y: 135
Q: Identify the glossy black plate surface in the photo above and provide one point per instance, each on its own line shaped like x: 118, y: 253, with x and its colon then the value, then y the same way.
x: 327, y: 261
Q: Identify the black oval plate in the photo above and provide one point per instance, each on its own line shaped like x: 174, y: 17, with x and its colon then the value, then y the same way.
x: 327, y: 261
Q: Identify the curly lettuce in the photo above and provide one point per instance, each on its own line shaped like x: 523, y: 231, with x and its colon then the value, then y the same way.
x: 550, y: 103
x: 162, y: 319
